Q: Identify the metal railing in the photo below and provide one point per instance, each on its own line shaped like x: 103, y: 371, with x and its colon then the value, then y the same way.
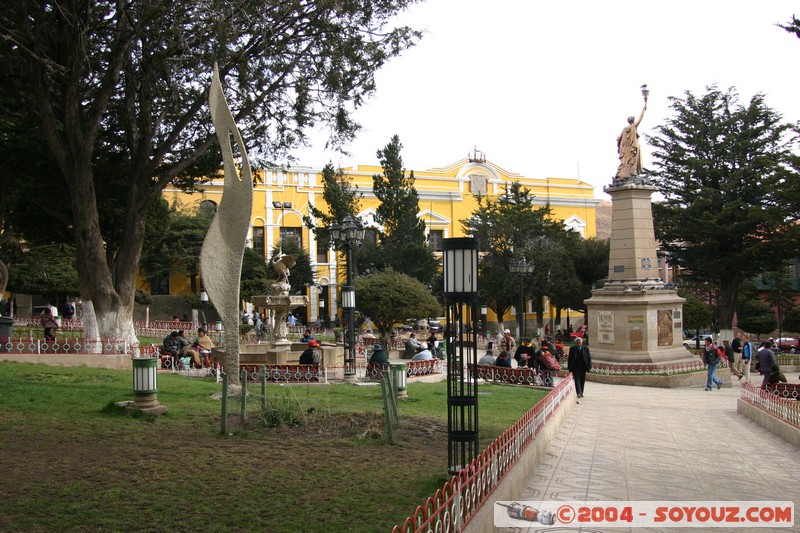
x: 786, y: 409
x: 67, y: 346
x: 683, y: 367
x: 452, y: 506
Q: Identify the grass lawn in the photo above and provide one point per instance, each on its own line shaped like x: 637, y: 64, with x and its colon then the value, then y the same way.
x: 72, y: 461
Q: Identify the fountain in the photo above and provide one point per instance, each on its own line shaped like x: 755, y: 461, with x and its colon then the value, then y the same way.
x: 280, y: 301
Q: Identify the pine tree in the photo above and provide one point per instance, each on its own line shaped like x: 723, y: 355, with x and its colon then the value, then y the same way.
x: 720, y: 165
x: 402, y: 243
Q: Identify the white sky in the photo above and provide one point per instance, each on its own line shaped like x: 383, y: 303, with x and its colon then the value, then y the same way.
x: 544, y: 88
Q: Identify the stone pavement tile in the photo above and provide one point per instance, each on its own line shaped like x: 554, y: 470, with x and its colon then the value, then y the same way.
x: 636, y: 443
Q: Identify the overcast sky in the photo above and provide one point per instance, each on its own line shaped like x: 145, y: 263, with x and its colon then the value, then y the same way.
x: 544, y: 88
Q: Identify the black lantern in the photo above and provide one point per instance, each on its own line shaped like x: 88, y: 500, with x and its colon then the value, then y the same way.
x: 461, y: 303
x: 521, y: 268
x: 345, y: 236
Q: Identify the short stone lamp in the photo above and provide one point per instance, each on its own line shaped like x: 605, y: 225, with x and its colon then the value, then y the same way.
x: 145, y: 373
x: 398, y: 371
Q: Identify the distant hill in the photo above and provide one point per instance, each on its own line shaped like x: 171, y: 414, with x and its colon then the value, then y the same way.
x: 603, y: 216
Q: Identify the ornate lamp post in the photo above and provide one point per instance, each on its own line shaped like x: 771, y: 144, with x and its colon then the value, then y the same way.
x: 461, y: 308
x: 346, y: 236
x: 521, y: 268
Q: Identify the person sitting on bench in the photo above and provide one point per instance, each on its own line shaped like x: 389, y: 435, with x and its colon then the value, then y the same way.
x: 200, y: 352
x: 311, y: 356
x: 172, y: 347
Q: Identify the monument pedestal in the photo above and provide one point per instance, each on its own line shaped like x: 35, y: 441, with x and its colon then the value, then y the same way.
x: 635, y: 319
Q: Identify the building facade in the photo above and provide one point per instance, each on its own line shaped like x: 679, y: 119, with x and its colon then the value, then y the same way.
x: 447, y: 195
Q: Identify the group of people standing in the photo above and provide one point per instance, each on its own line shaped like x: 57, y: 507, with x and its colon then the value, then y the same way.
x: 739, y: 354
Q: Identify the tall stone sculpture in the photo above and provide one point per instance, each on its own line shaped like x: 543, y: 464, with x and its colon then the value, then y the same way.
x: 635, y: 319
x: 223, y: 248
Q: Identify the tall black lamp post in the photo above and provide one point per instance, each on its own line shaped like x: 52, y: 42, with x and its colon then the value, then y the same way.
x: 461, y: 308
x: 346, y: 236
x: 521, y: 268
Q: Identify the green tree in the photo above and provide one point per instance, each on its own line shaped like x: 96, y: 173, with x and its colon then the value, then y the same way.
x: 175, y: 248
x: 390, y: 297
x: 511, y: 227
x: 719, y: 164
x: 47, y: 270
x: 793, y: 26
x: 756, y: 317
x: 402, y: 242
x: 589, y: 259
x: 256, y: 277
x: 342, y: 199
x: 120, y: 88
x: 697, y: 315
x: 791, y: 321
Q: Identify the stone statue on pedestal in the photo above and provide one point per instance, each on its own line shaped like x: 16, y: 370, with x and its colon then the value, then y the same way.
x: 630, y: 156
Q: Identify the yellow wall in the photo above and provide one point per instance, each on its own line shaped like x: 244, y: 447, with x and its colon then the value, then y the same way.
x: 446, y: 196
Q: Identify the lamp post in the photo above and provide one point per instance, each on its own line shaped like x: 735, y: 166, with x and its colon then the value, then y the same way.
x: 521, y: 268
x: 346, y: 236
x: 203, y: 304
x: 461, y: 306
x: 484, y: 312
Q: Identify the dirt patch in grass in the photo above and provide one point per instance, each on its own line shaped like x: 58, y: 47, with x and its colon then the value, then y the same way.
x: 336, y: 472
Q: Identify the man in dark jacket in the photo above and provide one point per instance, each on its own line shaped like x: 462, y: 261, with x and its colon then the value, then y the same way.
x: 711, y: 359
x: 311, y: 356
x: 766, y: 359
x: 579, y: 363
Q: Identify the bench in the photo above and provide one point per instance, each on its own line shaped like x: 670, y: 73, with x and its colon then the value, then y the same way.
x: 514, y: 376
x: 375, y: 371
x: 285, y: 373
x: 424, y: 367
x: 789, y: 391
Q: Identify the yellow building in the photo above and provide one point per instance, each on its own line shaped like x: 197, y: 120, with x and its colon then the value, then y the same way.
x: 446, y: 197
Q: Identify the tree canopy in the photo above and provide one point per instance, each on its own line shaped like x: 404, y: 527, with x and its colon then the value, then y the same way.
x: 118, y: 90
x: 720, y: 165
x: 402, y: 244
x: 388, y: 297
x: 511, y: 227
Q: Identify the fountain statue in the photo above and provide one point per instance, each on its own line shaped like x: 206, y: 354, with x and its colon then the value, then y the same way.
x: 279, y: 301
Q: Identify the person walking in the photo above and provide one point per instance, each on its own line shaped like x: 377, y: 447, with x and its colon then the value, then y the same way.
x: 49, y: 323
x: 747, y: 357
x: 766, y: 359
x: 711, y: 358
x: 730, y: 353
x: 579, y: 362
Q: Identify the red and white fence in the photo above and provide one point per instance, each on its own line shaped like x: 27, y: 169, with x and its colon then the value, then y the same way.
x: 452, y: 506
x: 786, y: 408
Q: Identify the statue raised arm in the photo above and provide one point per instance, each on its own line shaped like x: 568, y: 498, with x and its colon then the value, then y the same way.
x: 630, y: 156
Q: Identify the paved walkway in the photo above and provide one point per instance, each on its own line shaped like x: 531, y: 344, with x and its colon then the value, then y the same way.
x: 638, y: 443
